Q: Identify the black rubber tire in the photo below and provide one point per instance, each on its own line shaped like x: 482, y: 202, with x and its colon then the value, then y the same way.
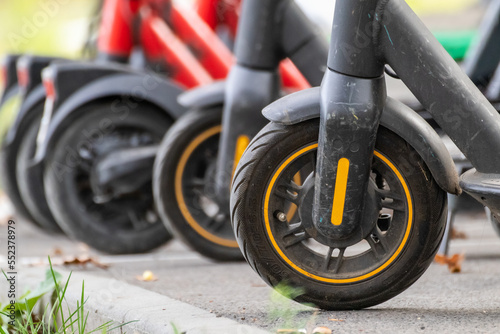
x: 262, y: 158
x: 31, y: 184
x: 8, y: 160
x: 103, y: 227
x: 175, y: 143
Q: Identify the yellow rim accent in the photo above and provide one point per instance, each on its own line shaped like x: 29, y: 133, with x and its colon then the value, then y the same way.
x: 330, y: 280
x: 241, y: 145
x: 180, y: 198
x: 340, y: 191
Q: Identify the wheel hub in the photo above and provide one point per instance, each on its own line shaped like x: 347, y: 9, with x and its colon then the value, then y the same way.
x: 360, y: 232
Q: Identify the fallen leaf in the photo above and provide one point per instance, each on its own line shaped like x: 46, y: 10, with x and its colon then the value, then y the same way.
x: 457, y: 234
x: 147, y: 276
x: 82, y: 260
x: 57, y: 251
x: 339, y: 320
x: 453, y: 262
x: 322, y: 330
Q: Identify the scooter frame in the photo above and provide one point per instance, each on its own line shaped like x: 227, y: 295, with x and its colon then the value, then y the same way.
x: 270, y: 31
x: 449, y: 95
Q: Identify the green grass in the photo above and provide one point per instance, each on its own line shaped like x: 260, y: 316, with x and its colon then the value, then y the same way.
x: 29, y: 315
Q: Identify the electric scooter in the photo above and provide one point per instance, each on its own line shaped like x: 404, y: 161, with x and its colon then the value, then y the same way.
x: 101, y: 86
x: 98, y: 181
x: 196, y: 159
x: 372, y: 213
x: 23, y: 184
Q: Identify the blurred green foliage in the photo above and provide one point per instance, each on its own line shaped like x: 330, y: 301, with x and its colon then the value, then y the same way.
x: 7, y: 113
x: 48, y: 27
x: 44, y: 27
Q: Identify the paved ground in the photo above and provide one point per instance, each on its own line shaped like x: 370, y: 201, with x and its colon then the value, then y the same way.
x: 467, y: 302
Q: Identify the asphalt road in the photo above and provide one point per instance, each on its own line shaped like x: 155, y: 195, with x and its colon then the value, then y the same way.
x: 467, y: 302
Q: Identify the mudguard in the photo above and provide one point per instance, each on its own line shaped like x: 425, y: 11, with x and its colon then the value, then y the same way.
x: 25, y: 114
x: 127, y: 87
x: 32, y: 92
x: 30, y: 67
x: 9, y: 77
x: 397, y: 117
x: 205, y: 96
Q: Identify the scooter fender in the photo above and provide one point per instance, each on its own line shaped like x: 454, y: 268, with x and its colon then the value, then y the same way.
x: 10, y: 77
x: 397, y: 117
x: 31, y: 67
x: 25, y: 114
x: 205, y: 96
x: 32, y: 93
x: 126, y: 90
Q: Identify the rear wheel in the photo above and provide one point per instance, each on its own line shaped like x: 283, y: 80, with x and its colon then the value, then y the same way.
x: 184, y: 177
x: 122, y: 224
x: 393, y: 250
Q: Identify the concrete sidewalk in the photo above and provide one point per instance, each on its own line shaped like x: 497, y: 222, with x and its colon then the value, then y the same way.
x: 141, y: 310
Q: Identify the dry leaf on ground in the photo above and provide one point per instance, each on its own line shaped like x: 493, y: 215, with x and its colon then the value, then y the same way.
x: 339, y: 320
x: 147, y: 276
x: 455, y: 234
x: 81, y: 260
x: 57, y: 251
x: 453, y: 262
x: 322, y: 330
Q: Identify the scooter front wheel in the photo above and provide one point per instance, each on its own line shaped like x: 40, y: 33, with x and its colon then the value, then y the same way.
x: 183, y: 184
x: 392, y: 251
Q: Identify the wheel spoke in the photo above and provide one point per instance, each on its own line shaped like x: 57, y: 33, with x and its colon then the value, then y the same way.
x: 394, y: 205
x: 328, y: 258
x: 283, y: 193
x: 388, y: 194
x: 289, y: 191
x: 296, y: 239
x: 294, y: 230
x: 339, y: 261
x: 377, y: 243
